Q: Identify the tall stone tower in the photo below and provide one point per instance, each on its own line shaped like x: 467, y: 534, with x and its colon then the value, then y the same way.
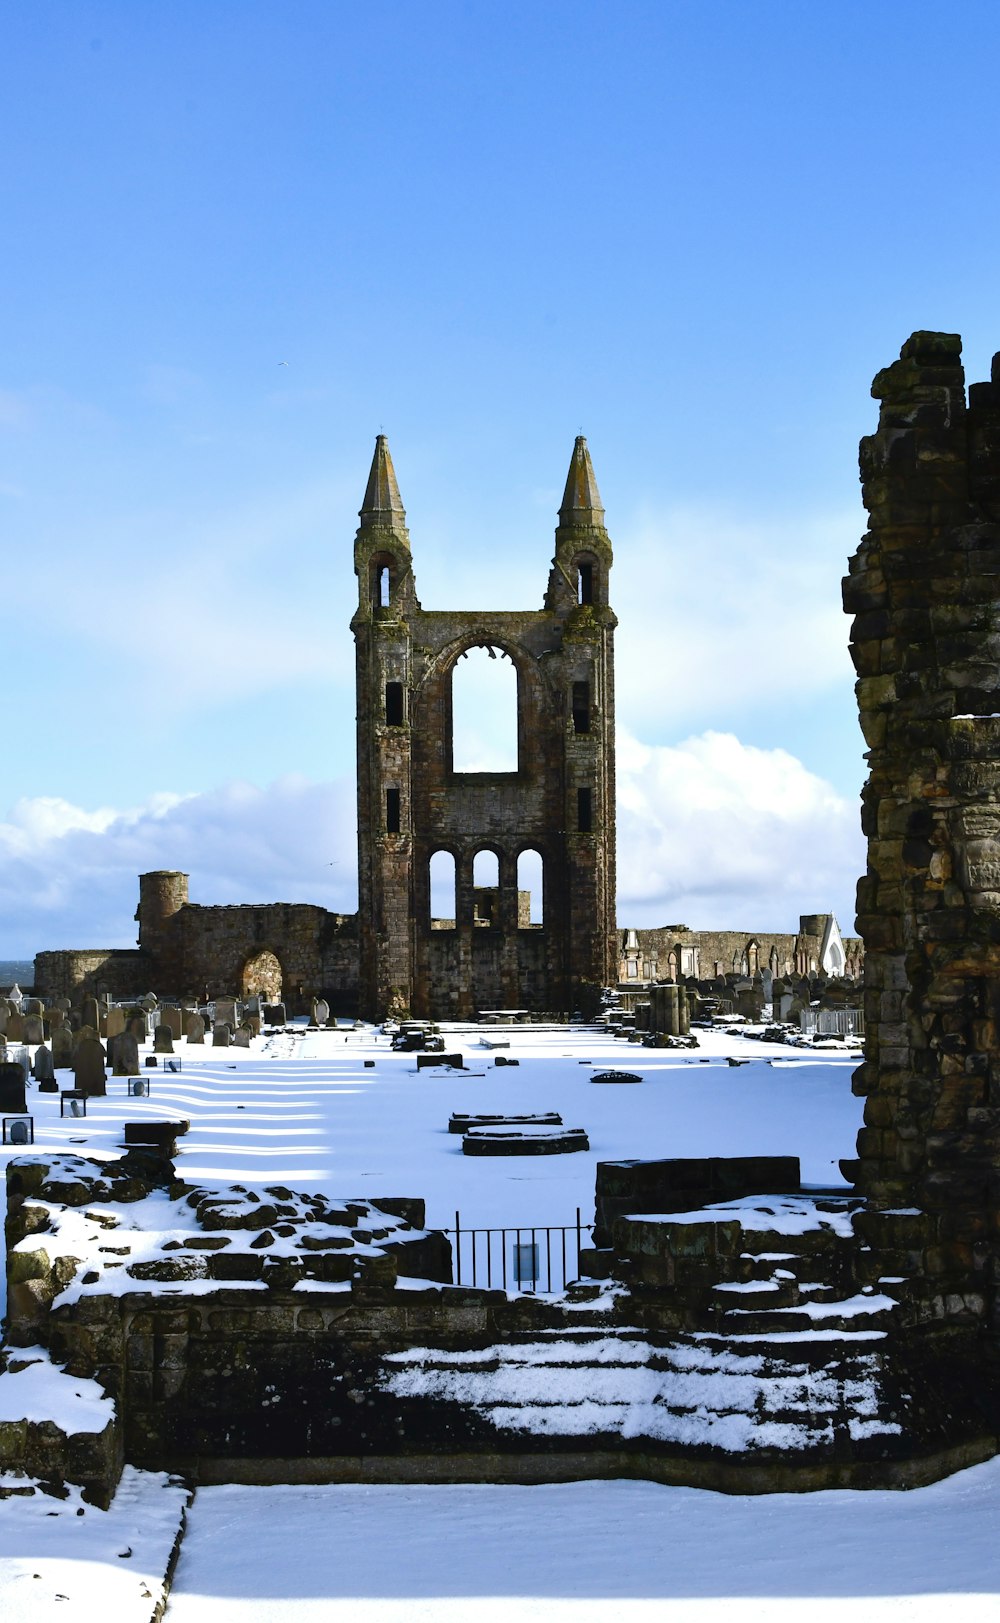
x: 413, y: 804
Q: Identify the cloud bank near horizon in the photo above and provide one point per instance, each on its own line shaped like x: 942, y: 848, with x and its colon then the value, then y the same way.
x: 712, y: 833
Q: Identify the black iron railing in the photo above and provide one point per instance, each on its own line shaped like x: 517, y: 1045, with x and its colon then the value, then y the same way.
x: 540, y: 1258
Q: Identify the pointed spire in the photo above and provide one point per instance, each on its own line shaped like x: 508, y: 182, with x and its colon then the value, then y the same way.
x: 581, y: 503
x: 383, y: 504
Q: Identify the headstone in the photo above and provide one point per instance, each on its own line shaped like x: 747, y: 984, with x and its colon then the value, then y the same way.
x: 15, y: 1027
x: 116, y: 1022
x: 225, y: 1011
x: 194, y: 1030
x: 241, y: 1037
x: 252, y: 1024
x: 42, y: 1068
x: 274, y: 1014
x: 222, y: 1035
x: 81, y: 1035
x: 55, y: 1017
x: 163, y: 1040
x: 12, y: 1100
x: 90, y: 1014
x: 4, y: 1016
x: 88, y: 1066
x: 32, y: 1029
x: 149, y: 1002
x: 174, y: 1020
x: 125, y: 1060
x: 33, y: 1005
x: 62, y: 1048
x: 321, y: 1011
x: 63, y: 1004
x: 137, y: 1027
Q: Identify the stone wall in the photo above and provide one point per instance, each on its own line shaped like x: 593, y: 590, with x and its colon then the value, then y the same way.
x: 924, y: 587
x: 119, y: 972
x: 187, y: 950
x: 666, y: 952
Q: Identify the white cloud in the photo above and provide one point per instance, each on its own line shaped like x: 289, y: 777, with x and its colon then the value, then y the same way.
x: 720, y: 617
x: 718, y: 834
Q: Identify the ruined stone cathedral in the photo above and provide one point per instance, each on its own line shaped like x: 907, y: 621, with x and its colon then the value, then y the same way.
x: 559, y: 803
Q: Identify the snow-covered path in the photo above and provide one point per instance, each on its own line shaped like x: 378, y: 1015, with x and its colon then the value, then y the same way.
x: 586, y: 1551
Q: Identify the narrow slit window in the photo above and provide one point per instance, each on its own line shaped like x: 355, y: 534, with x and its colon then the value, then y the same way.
x: 584, y: 812
x: 392, y: 811
x: 585, y: 583
x: 581, y: 707
x: 394, y: 704
x: 381, y: 586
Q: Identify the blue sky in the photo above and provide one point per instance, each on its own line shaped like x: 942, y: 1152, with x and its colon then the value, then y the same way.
x: 694, y: 231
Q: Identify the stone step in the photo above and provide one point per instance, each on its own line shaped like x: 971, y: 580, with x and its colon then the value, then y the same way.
x: 861, y: 1312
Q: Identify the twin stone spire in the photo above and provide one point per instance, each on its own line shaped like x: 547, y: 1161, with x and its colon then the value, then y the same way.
x: 581, y: 506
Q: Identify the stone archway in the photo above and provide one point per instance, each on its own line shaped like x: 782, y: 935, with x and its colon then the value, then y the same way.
x: 262, y: 974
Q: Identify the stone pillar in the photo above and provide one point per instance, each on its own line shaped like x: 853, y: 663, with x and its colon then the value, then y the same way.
x: 924, y: 587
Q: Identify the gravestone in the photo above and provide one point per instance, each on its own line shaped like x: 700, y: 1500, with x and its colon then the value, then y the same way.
x: 252, y: 1024
x: 174, y: 1021
x: 55, y: 1017
x: 222, y: 1035
x: 63, y: 1004
x: 43, y: 1070
x: 81, y: 1034
x: 33, y: 1005
x: 88, y: 1066
x: 195, y: 1029
x: 125, y: 1060
x: 137, y: 1027
x: 90, y: 1014
x: 241, y: 1037
x: 62, y: 1048
x: 12, y: 1100
x: 15, y: 1026
x: 149, y: 1002
x: 116, y: 1022
x: 274, y: 1014
x: 33, y: 1030
x: 4, y: 1016
x: 320, y: 1011
x: 225, y: 1011
x: 163, y: 1040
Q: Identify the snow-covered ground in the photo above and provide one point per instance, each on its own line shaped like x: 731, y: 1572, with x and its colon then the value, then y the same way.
x: 585, y: 1551
x: 304, y: 1110
x: 63, y: 1558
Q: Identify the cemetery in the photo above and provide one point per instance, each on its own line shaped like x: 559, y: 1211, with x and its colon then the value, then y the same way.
x: 450, y: 1240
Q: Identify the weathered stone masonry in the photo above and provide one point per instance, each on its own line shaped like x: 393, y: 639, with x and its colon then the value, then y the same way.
x: 412, y: 803
x: 924, y: 588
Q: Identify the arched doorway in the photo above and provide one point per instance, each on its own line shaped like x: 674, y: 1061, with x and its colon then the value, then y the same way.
x: 262, y: 976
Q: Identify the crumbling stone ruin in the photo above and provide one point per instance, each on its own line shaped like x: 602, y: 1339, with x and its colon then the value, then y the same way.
x: 675, y: 953
x: 413, y: 803
x: 276, y: 949
x: 924, y: 588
